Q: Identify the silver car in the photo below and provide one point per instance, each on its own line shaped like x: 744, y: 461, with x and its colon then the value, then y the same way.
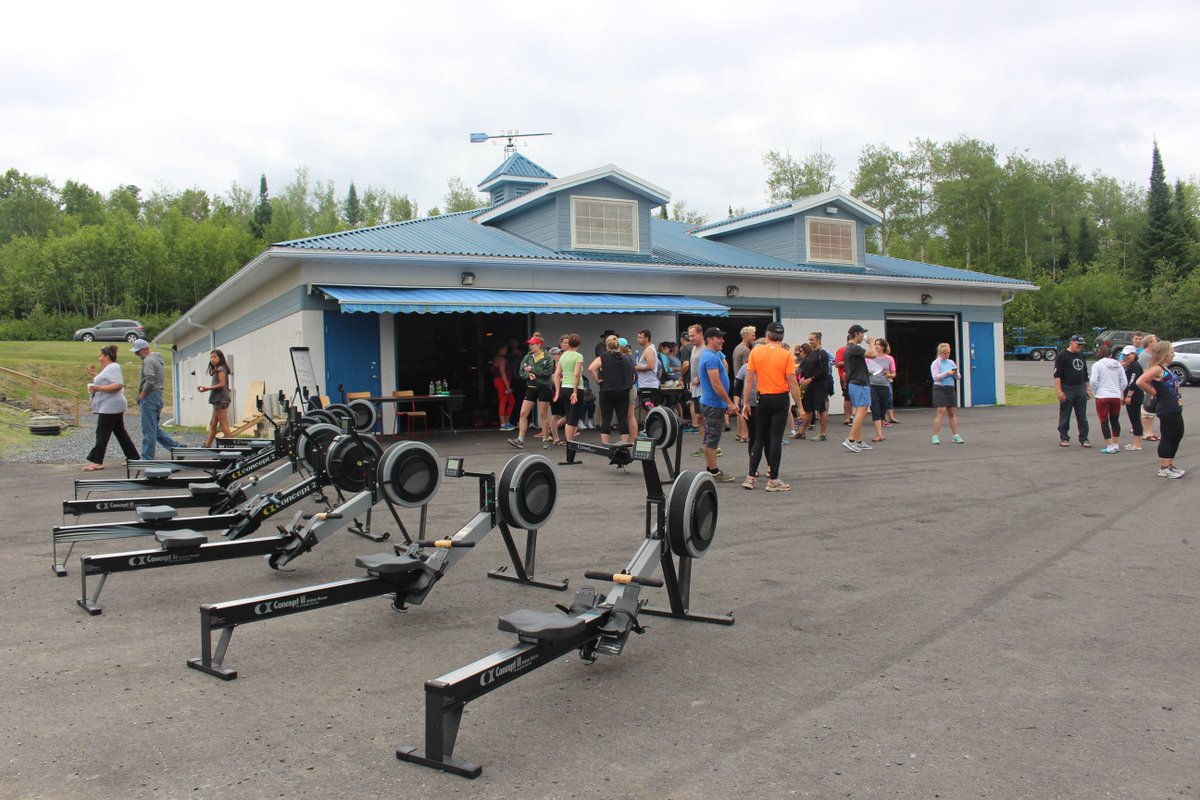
x: 112, y: 330
x: 1186, y: 365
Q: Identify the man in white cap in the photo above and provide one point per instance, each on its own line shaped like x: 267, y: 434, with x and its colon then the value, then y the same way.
x: 150, y: 398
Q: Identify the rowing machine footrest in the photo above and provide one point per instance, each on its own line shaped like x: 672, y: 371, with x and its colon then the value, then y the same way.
x: 152, y: 513
x: 385, y: 564
x: 204, y: 489
x: 157, y: 473
x: 180, y: 540
x: 541, y: 627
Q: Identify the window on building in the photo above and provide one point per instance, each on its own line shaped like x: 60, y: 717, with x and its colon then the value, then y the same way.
x: 831, y: 241
x: 602, y: 224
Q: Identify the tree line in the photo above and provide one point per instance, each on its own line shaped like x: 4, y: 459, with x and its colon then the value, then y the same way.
x: 1104, y: 253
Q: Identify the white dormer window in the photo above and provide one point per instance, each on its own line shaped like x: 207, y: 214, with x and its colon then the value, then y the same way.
x: 598, y: 223
x: 831, y: 241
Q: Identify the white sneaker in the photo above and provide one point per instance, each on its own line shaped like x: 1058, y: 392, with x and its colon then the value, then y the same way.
x: 851, y: 446
x: 1176, y: 471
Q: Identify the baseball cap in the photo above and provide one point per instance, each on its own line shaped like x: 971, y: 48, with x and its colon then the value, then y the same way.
x: 1128, y: 350
x: 714, y: 333
x: 856, y: 329
x: 775, y: 327
x: 139, y: 344
x: 534, y: 340
x: 622, y: 341
x: 1079, y: 339
x: 555, y: 350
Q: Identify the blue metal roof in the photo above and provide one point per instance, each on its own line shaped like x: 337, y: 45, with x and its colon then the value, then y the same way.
x: 518, y: 166
x: 380, y: 300
x: 673, y: 244
x: 903, y: 268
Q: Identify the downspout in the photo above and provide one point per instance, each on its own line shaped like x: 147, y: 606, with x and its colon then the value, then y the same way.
x: 212, y: 334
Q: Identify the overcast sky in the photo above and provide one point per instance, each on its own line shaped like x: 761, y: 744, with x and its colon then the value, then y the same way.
x: 686, y: 96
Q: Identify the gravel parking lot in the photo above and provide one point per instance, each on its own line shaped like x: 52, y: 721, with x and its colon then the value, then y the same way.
x: 1005, y: 618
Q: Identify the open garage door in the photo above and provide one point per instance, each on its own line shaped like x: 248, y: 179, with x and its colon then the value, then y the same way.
x: 914, y: 339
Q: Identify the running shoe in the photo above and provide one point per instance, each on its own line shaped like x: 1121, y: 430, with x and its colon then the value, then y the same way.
x: 786, y: 440
x: 690, y: 429
x: 821, y: 437
x: 934, y: 440
x: 851, y: 446
x: 1109, y: 450
x: 1131, y: 447
x: 1176, y: 471
x: 517, y: 443
x: 959, y: 440
x: 864, y: 446
x: 1170, y: 472
x: 778, y: 486
x: 749, y: 482
x: 720, y: 476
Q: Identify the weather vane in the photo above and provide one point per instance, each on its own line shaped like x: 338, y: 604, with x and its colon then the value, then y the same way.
x: 510, y: 147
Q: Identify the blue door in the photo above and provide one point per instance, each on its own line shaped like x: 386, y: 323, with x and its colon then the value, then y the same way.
x: 351, y: 353
x: 983, y: 364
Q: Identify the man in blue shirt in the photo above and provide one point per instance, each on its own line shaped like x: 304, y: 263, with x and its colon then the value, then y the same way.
x: 715, y: 402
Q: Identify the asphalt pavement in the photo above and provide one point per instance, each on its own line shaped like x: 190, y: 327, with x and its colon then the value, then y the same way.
x: 1004, y: 618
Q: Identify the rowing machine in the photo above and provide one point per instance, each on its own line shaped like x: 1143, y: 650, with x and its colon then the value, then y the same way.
x: 684, y: 529
x: 525, y: 498
x: 662, y: 429
x: 350, y: 465
x: 309, y: 453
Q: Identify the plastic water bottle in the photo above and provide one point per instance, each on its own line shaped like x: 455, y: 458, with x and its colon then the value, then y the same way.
x: 432, y: 388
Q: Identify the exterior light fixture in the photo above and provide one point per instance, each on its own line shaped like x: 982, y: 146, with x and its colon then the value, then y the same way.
x: 831, y: 209
x: 468, y: 279
x: 926, y: 299
x: 732, y: 291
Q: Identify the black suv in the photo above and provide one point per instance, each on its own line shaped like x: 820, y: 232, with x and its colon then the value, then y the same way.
x: 112, y: 330
x: 1114, y: 339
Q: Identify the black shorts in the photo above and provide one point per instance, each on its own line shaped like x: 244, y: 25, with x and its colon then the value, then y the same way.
x: 572, y: 411
x: 816, y: 399
x: 539, y: 394
x: 945, y: 396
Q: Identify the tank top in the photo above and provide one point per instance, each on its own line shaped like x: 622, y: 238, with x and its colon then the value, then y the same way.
x: 1167, y: 390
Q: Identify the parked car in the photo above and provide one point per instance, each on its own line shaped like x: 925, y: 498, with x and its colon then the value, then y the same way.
x: 112, y: 330
x: 1186, y: 365
x: 1114, y: 339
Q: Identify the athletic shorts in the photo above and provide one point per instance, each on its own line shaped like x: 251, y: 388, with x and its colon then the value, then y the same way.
x: 539, y: 394
x: 574, y: 411
x: 860, y: 396
x: 815, y: 399
x: 714, y: 425
x: 945, y: 396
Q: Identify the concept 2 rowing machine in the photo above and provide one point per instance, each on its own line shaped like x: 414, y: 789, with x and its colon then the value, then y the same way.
x: 525, y: 498
x: 684, y: 525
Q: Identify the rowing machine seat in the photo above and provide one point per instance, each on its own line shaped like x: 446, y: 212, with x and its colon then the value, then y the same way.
x: 180, y: 540
x: 157, y: 473
x: 204, y: 489
x: 541, y: 627
x: 153, y: 513
x: 385, y: 564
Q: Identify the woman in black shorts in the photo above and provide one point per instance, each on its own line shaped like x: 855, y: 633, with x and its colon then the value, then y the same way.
x: 945, y: 392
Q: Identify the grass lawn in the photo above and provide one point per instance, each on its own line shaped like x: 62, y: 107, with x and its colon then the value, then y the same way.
x: 65, y: 364
x: 1029, y: 395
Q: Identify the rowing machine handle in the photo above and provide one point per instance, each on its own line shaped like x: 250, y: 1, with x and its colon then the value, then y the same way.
x: 621, y: 578
x: 442, y: 543
x: 322, y: 516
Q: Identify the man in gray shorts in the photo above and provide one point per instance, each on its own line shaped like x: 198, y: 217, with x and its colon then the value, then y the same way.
x: 715, y: 401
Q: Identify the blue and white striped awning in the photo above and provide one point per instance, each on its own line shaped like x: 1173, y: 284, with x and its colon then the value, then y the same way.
x: 380, y: 300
